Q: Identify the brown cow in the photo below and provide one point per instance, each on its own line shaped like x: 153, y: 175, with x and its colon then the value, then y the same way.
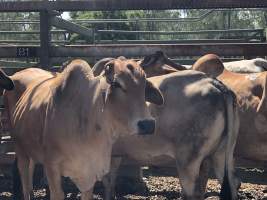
x: 68, y: 121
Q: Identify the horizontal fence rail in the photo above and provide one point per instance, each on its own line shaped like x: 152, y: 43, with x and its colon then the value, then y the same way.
x: 227, y: 36
x: 259, y: 31
x: 136, y: 50
x: 135, y: 20
x: 97, y: 5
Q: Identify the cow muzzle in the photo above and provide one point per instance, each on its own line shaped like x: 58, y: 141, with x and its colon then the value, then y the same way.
x: 146, y: 127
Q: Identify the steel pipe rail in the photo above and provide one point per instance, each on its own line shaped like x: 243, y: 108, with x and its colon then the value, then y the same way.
x: 33, y: 32
x: 36, y: 6
x: 137, y: 50
x: 183, y: 32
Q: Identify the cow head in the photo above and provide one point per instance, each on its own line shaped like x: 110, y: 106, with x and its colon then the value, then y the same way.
x: 154, y: 64
x: 127, y: 94
x: 158, y: 63
x: 5, y: 82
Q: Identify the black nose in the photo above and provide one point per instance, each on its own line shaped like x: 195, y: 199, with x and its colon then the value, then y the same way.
x: 146, y: 127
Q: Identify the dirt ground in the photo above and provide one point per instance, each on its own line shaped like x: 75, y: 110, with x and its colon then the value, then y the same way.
x: 160, y: 186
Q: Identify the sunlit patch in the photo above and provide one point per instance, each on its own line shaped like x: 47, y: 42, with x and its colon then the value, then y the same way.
x: 252, y: 77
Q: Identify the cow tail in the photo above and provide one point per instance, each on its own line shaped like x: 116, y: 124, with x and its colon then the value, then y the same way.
x: 229, y: 188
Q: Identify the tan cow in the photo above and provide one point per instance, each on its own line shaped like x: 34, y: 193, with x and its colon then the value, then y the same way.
x: 68, y: 121
x: 251, y: 92
x: 197, y: 125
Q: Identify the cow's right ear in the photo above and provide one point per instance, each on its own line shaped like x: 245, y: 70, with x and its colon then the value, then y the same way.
x: 153, y: 94
x: 5, y: 81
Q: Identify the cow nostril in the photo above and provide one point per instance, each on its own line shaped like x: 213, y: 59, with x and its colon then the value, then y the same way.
x: 146, y: 127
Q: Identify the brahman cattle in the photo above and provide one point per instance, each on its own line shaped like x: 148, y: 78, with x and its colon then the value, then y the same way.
x: 251, y: 92
x: 68, y: 121
x: 197, y: 127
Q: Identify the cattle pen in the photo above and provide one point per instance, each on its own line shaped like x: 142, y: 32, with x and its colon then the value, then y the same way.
x: 52, y: 45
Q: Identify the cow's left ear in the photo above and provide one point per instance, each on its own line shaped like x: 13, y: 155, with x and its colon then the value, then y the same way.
x: 167, y: 69
x: 153, y: 94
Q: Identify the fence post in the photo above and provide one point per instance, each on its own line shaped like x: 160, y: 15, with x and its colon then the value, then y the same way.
x: 45, y: 39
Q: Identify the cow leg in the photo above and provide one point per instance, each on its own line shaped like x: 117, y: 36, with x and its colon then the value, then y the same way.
x: 31, y: 172
x: 17, y: 185
x: 87, y: 195
x: 218, y: 163
x: 109, y: 181
x: 54, y: 182
x: 23, y: 166
x: 189, y: 179
x: 204, y: 175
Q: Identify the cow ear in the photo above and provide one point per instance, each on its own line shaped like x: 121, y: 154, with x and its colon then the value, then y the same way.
x: 167, y: 69
x: 153, y: 94
x: 109, y: 72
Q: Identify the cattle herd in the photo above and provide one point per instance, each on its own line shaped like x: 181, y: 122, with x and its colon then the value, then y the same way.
x: 81, y: 122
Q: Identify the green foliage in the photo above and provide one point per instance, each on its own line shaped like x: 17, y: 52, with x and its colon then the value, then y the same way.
x: 187, y: 20
x: 18, y: 27
x: 194, y: 20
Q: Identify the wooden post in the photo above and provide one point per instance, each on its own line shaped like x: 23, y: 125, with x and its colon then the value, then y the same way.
x: 45, y: 39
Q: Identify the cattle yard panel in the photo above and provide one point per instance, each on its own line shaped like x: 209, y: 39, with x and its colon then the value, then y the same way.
x: 45, y: 60
x: 45, y: 50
